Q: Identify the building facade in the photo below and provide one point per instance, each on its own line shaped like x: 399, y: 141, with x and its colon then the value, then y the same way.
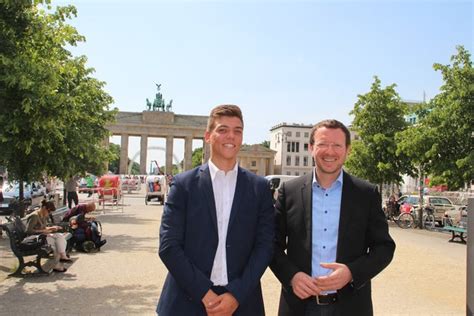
x: 257, y: 158
x: 291, y: 143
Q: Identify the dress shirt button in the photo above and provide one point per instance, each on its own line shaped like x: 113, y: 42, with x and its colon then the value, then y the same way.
x: 324, y: 247
x: 327, y: 194
x: 325, y: 229
x: 325, y: 212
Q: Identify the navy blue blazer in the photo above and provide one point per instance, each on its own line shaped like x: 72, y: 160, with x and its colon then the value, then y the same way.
x: 189, y: 238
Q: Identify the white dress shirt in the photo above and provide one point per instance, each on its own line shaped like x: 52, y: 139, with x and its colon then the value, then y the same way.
x: 223, y: 186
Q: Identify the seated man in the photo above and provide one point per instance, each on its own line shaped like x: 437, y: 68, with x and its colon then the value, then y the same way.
x: 87, y: 223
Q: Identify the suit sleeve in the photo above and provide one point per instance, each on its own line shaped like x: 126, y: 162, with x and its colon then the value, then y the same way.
x: 380, y: 245
x: 171, y: 250
x: 281, y: 265
x: 262, y: 252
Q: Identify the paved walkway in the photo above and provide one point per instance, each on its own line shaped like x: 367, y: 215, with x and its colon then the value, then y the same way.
x: 427, y: 276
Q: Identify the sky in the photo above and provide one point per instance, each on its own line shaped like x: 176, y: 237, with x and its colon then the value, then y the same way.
x: 280, y: 61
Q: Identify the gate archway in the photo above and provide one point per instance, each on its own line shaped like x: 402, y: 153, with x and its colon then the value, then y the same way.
x: 137, y: 154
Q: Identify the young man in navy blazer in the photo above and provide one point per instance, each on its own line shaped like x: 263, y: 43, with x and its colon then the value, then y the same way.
x: 332, y: 236
x: 217, y: 230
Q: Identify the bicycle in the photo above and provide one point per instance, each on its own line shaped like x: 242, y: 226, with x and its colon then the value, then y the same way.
x: 408, y: 219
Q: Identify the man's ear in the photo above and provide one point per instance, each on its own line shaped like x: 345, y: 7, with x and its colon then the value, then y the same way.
x: 207, y: 137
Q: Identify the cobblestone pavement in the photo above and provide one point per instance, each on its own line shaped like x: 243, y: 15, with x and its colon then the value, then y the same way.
x: 426, y: 277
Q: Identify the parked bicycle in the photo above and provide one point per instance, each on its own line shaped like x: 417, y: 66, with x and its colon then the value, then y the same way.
x: 406, y: 216
x: 410, y: 218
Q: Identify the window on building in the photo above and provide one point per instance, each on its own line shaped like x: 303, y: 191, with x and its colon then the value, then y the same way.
x: 288, y: 134
x: 288, y: 147
x: 305, y: 146
x: 288, y: 160
x: 293, y: 147
x: 305, y: 161
x: 298, y: 134
x: 254, y: 163
x: 297, y: 160
x: 297, y: 147
x: 297, y: 173
x: 306, y: 134
x: 288, y: 173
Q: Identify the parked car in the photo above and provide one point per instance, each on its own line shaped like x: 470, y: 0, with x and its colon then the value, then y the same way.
x: 439, y: 204
x: 33, y: 194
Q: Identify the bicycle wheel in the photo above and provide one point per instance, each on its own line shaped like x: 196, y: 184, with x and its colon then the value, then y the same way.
x: 429, y: 221
x: 405, y: 220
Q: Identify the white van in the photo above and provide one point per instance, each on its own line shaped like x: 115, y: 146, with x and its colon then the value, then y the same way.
x: 275, y: 181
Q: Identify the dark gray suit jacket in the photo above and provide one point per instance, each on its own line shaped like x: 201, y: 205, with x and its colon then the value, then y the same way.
x: 364, y: 243
x: 189, y: 238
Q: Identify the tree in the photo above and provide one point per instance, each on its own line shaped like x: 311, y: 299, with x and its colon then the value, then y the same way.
x: 442, y: 142
x: 114, y: 163
x: 265, y: 143
x: 452, y: 121
x: 378, y: 116
x: 197, y: 157
x: 52, y: 112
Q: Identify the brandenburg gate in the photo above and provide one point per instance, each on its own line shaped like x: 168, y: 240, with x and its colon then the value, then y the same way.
x: 163, y: 125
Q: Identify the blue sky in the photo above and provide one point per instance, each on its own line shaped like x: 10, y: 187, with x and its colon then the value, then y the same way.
x: 281, y: 61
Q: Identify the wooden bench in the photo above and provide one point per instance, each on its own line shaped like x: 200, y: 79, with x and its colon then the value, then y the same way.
x: 458, y: 231
x: 16, y: 233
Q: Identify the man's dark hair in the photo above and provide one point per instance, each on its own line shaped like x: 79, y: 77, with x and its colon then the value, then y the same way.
x: 224, y: 110
x: 334, y: 124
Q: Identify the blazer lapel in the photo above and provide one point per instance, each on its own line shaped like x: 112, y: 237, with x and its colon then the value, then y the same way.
x: 239, y: 194
x: 307, y: 198
x: 346, y: 200
x: 205, y: 186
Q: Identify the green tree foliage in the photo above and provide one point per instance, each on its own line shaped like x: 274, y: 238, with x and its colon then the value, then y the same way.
x: 52, y: 112
x: 114, y: 162
x: 378, y: 116
x: 266, y: 144
x: 442, y: 142
x: 197, y: 157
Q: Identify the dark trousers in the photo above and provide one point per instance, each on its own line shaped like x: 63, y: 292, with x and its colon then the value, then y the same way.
x: 72, y: 196
x: 313, y: 309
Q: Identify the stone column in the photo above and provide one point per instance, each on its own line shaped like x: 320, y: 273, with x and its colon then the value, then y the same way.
x: 169, y: 155
x: 124, y: 154
x: 188, y: 153
x: 261, y: 167
x: 143, y: 152
x: 206, y: 153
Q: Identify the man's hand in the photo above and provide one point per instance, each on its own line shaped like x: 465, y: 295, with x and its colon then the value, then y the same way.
x: 337, y: 279
x: 209, y: 298
x: 304, y: 285
x: 223, y: 305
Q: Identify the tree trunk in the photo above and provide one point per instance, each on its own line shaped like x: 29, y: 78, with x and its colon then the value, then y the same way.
x: 420, y: 208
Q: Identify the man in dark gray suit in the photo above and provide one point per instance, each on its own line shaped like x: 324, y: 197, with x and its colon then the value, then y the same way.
x: 217, y: 230
x: 332, y: 236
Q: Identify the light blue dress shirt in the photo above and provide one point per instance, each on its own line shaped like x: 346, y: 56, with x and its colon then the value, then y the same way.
x: 326, y: 213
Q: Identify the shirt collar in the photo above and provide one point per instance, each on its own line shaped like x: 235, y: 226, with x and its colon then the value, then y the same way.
x: 213, y: 169
x: 338, y: 179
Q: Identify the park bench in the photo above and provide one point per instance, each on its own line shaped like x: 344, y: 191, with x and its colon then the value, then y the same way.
x: 458, y: 231
x: 16, y: 233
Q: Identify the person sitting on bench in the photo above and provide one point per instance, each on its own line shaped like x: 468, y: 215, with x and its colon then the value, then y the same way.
x: 36, y: 223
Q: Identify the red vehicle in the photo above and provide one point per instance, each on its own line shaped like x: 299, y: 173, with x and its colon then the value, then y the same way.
x: 109, y: 189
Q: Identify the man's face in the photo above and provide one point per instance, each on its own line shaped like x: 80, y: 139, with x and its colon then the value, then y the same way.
x: 329, y: 150
x: 225, y: 138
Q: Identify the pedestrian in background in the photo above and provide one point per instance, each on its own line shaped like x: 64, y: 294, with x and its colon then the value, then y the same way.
x: 71, y: 189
